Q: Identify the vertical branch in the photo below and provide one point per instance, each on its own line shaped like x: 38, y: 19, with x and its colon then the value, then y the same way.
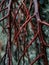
x: 9, y: 33
x: 43, y: 50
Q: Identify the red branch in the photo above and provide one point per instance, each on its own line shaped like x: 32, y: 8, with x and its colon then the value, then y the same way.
x: 12, y: 13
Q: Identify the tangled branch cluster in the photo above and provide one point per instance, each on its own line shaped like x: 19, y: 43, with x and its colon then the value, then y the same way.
x: 11, y: 17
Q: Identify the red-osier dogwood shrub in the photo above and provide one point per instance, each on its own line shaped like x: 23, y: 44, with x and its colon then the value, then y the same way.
x: 18, y: 17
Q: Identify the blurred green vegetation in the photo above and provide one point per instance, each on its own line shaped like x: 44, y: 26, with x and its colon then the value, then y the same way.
x: 32, y: 51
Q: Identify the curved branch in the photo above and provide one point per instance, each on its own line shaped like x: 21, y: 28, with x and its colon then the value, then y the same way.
x: 23, y: 26
x: 39, y: 56
x: 26, y: 48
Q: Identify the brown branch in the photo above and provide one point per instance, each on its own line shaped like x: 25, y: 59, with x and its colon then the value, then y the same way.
x: 23, y: 26
x: 44, y: 23
x: 43, y: 50
x: 2, y: 2
x: 37, y: 58
x: 3, y: 9
x: 29, y: 44
x: 4, y: 17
